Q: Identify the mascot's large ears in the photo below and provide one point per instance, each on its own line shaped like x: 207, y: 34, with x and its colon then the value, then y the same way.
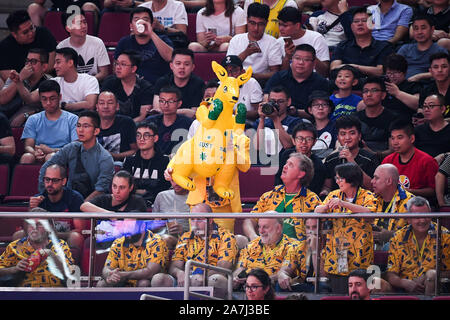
x: 243, y: 78
x: 220, y: 71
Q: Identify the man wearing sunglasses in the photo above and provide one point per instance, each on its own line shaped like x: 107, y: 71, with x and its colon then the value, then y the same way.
x: 23, y: 36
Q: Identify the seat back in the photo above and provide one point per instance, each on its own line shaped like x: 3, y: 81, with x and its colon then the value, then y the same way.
x: 203, y: 64
x: 192, y: 27
x: 255, y: 182
x: 335, y: 298
x: 24, y: 183
x: 398, y: 298
x: 114, y: 26
x: 4, y: 180
x: 52, y: 21
x: 17, y: 135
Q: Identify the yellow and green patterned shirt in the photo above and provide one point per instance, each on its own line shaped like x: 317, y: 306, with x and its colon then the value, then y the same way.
x: 296, y: 259
x: 130, y: 258
x: 275, y: 200
x: 258, y: 255
x: 410, y: 262
x: 42, y: 276
x: 356, y: 234
x: 221, y: 247
x: 398, y: 204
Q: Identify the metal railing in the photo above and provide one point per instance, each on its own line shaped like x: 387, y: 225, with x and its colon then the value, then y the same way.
x: 153, y: 215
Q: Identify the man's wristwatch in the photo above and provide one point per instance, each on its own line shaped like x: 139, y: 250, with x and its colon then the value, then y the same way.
x: 63, y: 105
x: 26, y: 115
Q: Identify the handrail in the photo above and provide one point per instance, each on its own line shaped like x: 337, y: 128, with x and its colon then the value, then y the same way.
x: 146, y: 296
x: 187, y: 269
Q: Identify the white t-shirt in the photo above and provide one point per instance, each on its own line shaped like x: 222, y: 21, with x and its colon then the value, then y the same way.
x: 335, y: 34
x: 289, y: 3
x: 173, y: 12
x: 78, y: 90
x: 270, y: 55
x: 313, y: 38
x: 250, y: 92
x: 92, y: 54
x: 220, y: 22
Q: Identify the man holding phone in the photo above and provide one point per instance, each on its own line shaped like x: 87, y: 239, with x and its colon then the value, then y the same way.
x: 255, y: 48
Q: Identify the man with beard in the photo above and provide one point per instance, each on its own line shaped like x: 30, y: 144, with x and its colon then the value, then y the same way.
x: 134, y: 258
x: 357, y: 285
x: 26, y: 261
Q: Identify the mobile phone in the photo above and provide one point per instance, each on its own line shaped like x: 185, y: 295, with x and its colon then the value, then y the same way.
x: 288, y: 40
x: 212, y: 30
x: 418, y: 115
x: 254, y: 44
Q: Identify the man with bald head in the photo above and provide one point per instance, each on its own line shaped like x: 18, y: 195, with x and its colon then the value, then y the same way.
x: 392, y: 198
x: 117, y: 132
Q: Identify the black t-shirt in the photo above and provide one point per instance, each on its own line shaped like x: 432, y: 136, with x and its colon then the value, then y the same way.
x: 5, y: 128
x: 349, y: 51
x: 130, y: 105
x: 192, y: 92
x: 441, y: 20
x: 431, y: 142
x: 397, y: 107
x: 119, y: 136
x: 62, y: 5
x: 320, y: 172
x: 14, y: 54
x: 366, y: 160
x: 375, y: 131
x: 135, y: 203
x: 165, y: 141
x: 430, y: 89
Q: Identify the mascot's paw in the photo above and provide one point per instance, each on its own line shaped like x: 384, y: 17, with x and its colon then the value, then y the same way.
x: 216, y: 110
x: 241, y: 113
x: 224, y: 193
x: 184, y: 182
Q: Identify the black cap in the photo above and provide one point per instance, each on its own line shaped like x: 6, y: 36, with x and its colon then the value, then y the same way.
x: 322, y: 95
x: 232, y: 61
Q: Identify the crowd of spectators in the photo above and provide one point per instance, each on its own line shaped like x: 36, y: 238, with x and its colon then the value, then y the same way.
x: 354, y: 101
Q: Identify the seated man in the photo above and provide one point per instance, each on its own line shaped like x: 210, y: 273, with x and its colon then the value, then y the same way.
x: 134, y: 94
x: 442, y: 186
x: 291, y: 196
x: 7, y: 144
x: 148, y: 164
x: 120, y: 200
x: 92, y: 56
x: 155, y: 50
x: 275, y: 118
x: 358, y: 285
x: 169, y: 121
x: 59, y: 198
x: 135, y: 258
x: 390, y: 20
x: 440, y: 15
x: 349, y: 137
x: 91, y: 167
x: 363, y: 52
x: 418, y: 53
x: 23, y: 36
x: 36, y: 247
x: 78, y: 90
x: 32, y: 75
x: 222, y: 251
x: 392, y: 198
x: 266, y: 251
x: 256, y: 48
x: 375, y: 116
x: 169, y: 16
x: 48, y: 131
x: 183, y: 78
x: 433, y: 137
x: 304, y: 136
x: 417, y: 169
x: 117, y: 132
x: 293, y: 34
x: 408, y: 269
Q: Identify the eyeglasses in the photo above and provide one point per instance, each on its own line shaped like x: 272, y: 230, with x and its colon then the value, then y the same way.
x: 84, y: 125
x: 300, y: 59
x: 53, y: 180
x: 259, y: 24
x: 279, y: 101
x: 373, y: 90
x: 162, y: 101
x: 430, y: 106
x: 359, y: 21
x: 393, y: 73
x: 109, y: 103
x: 338, y: 179
x: 146, y: 136
x: 251, y: 288
x: 304, y: 139
x: 121, y: 64
x: 32, y: 61
x: 320, y: 105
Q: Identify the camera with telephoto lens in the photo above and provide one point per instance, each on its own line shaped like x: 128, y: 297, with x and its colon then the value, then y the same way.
x: 269, y: 107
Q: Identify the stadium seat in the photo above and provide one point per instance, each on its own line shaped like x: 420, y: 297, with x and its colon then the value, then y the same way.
x: 4, y: 180
x: 253, y: 184
x: 17, y: 134
x: 441, y: 298
x: 398, y: 298
x: 359, y: 3
x: 98, y: 264
x: 113, y: 26
x: 192, y: 27
x: 24, y: 183
x: 52, y: 21
x: 335, y: 298
x: 203, y: 64
x: 7, y: 228
x: 381, y: 258
x: 111, y: 60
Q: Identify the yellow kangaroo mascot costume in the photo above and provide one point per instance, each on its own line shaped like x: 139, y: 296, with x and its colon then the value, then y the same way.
x: 219, y: 147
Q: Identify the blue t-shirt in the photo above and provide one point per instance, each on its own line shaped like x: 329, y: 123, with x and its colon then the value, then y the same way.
x: 418, y: 61
x: 344, y: 106
x: 152, y: 66
x: 55, y: 134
